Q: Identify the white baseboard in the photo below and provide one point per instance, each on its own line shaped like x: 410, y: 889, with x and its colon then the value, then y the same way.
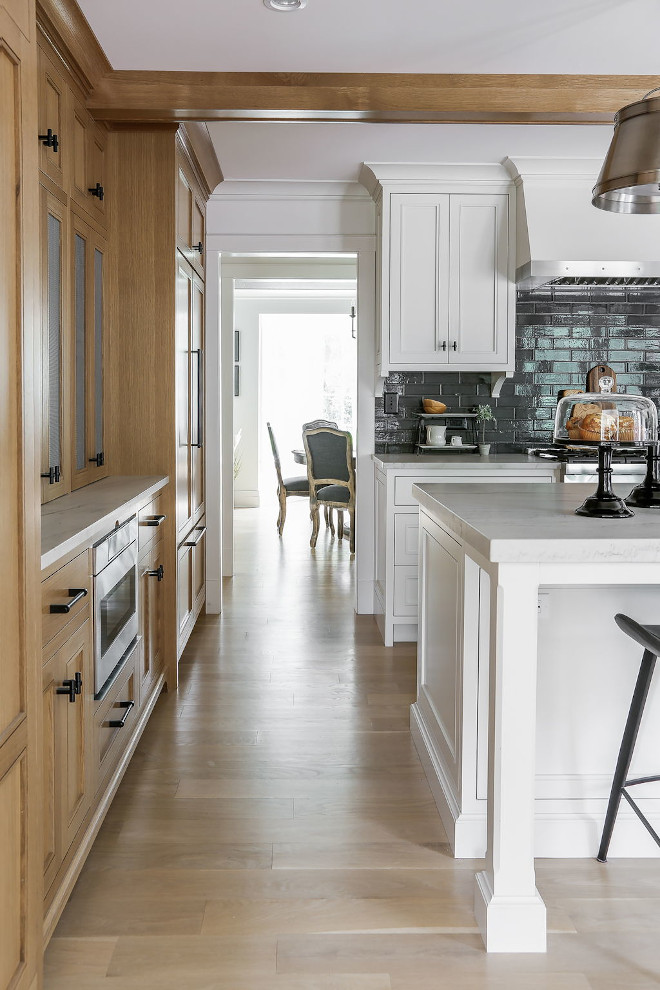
x: 365, y: 604
x: 246, y: 499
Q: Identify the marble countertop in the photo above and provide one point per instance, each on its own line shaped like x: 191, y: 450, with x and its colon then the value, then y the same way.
x: 470, y: 462
x: 82, y: 517
x: 529, y: 523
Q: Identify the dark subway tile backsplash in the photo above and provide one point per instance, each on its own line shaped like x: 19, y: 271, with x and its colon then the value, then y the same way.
x: 560, y: 335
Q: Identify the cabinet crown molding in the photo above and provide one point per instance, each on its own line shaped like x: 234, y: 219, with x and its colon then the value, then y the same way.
x: 375, y: 176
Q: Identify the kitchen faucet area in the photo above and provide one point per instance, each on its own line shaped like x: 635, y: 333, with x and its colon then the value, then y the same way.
x: 411, y: 740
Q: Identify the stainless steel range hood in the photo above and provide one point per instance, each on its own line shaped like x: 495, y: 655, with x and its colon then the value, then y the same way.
x: 560, y: 237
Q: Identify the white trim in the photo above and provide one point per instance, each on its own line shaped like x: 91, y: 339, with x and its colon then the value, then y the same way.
x: 213, y: 436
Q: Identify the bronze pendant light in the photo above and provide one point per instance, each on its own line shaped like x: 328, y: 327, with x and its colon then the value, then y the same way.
x: 629, y: 181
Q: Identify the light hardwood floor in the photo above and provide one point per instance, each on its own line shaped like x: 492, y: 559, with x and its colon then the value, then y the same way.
x: 275, y: 829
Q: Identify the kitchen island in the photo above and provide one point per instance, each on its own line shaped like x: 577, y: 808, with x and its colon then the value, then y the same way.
x: 489, y: 554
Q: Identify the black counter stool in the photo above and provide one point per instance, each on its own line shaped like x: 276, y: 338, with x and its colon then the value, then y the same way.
x: 649, y: 638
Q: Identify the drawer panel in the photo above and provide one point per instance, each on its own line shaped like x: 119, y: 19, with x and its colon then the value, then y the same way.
x: 109, y: 740
x: 150, y: 522
x: 406, y: 537
x: 405, y: 590
x: 403, y: 486
x: 58, y: 591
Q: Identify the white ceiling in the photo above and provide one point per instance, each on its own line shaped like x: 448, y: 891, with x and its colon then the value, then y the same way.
x: 618, y: 37
x: 250, y: 150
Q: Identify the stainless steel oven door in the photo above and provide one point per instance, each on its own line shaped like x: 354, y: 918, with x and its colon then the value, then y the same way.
x: 115, y: 613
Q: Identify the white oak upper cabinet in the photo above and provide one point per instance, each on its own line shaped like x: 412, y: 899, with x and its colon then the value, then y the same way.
x: 445, y: 267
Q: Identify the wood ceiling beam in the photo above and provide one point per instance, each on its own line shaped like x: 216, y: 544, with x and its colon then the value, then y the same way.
x: 159, y: 96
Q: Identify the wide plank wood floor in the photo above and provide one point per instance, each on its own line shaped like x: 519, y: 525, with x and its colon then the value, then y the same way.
x: 275, y: 829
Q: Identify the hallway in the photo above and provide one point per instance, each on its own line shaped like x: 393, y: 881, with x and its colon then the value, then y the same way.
x: 275, y: 829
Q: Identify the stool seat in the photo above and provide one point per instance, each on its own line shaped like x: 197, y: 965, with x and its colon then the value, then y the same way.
x: 648, y: 638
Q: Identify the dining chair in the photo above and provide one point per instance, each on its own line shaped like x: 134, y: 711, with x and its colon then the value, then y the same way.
x: 314, y: 424
x: 330, y: 475
x: 285, y: 486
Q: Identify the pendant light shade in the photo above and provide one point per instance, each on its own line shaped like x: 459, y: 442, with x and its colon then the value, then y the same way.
x: 629, y: 181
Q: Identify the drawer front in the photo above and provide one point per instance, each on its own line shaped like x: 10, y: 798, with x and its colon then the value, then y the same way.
x: 109, y: 739
x: 406, y: 537
x: 150, y: 523
x: 403, y: 486
x: 59, y: 590
x: 405, y: 590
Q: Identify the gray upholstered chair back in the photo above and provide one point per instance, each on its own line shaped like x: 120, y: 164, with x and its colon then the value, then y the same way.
x: 329, y: 456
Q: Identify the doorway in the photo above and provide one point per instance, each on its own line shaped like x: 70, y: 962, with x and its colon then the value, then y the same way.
x: 295, y: 360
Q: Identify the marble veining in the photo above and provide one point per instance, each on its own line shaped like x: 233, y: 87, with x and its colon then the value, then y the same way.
x: 537, y: 523
x: 85, y: 515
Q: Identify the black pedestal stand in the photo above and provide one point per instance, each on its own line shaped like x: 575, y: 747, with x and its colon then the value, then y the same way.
x: 647, y: 495
x: 604, y: 504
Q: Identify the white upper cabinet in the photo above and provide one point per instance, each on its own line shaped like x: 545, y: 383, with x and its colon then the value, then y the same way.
x: 445, y: 267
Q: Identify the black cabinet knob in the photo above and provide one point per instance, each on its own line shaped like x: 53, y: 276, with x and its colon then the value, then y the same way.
x: 53, y: 475
x: 49, y: 139
x: 97, y: 190
x: 99, y: 460
x: 198, y: 247
x: 159, y: 573
x: 71, y: 687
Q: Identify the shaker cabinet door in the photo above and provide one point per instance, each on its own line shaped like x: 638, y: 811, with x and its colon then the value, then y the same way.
x: 87, y: 318
x: 478, y: 280
x: 55, y: 467
x: 419, y: 279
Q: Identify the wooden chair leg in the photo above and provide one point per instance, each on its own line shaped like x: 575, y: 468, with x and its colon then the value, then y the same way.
x: 329, y: 521
x: 282, y: 516
x: 340, y: 524
x: 351, y: 521
x: 314, y: 516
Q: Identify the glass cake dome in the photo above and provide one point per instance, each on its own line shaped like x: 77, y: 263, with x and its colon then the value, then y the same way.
x: 605, y: 417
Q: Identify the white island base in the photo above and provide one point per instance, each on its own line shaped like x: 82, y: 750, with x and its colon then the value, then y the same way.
x: 489, y: 556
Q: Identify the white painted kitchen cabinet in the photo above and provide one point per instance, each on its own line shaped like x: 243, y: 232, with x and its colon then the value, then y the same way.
x: 397, y: 522
x: 445, y: 267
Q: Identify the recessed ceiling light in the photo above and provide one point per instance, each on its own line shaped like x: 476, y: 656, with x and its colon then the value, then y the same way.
x: 285, y: 4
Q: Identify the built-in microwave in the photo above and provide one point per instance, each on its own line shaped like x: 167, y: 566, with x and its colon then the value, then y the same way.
x: 114, y: 566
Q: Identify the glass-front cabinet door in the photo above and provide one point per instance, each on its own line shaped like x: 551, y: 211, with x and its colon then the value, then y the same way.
x: 54, y: 423
x: 87, y: 319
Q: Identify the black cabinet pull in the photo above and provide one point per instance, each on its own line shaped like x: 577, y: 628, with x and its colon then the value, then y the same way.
x: 200, y: 398
x: 153, y: 521
x: 53, y: 475
x: 50, y: 139
x: 454, y: 346
x: 444, y: 345
x: 119, y: 723
x: 97, y: 190
x: 198, y: 247
x: 77, y: 594
x: 158, y: 573
x: 71, y: 687
x: 99, y: 460
x: 200, y: 530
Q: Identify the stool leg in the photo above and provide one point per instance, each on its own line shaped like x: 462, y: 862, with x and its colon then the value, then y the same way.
x: 626, y: 751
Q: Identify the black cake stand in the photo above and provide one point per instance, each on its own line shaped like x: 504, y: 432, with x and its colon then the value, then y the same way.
x: 605, y: 503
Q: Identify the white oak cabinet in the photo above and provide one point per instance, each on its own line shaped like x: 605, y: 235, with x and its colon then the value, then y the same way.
x: 446, y: 295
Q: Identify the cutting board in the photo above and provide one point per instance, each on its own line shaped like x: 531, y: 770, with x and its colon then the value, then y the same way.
x: 595, y: 374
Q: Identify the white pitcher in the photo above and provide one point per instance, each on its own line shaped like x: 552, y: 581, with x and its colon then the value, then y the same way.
x: 436, y: 436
